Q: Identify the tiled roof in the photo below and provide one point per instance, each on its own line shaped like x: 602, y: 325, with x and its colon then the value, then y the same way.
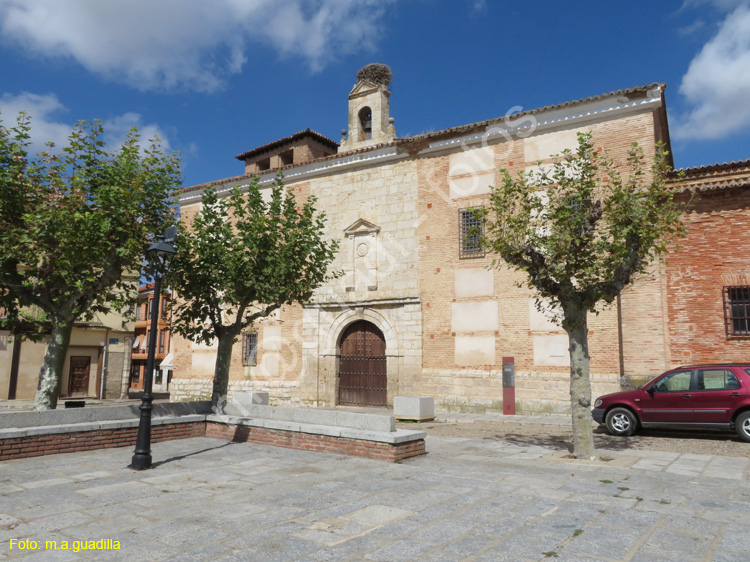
x: 634, y: 93
x: 286, y: 140
x: 711, y: 177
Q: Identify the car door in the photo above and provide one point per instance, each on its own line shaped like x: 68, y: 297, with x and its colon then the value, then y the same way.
x: 717, y: 392
x: 669, y: 399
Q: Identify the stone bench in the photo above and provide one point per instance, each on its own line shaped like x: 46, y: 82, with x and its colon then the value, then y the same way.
x: 32, y: 434
x: 27, y: 434
x: 319, y: 429
x: 125, y: 412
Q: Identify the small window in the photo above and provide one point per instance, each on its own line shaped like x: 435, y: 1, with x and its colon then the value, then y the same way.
x: 264, y: 164
x: 470, y: 231
x: 737, y: 311
x: 365, y: 123
x: 287, y: 157
x: 249, y: 348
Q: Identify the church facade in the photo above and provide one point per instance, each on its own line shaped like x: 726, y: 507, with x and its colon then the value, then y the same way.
x: 420, y: 312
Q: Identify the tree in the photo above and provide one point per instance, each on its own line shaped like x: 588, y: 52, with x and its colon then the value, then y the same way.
x: 581, y: 231
x: 73, y: 223
x: 242, y: 258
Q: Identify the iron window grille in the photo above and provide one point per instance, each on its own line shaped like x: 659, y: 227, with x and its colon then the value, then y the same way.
x: 470, y: 231
x: 737, y: 311
x: 250, y: 348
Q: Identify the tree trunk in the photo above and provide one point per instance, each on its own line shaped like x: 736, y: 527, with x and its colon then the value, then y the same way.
x: 221, y: 372
x: 50, y: 375
x: 576, y: 326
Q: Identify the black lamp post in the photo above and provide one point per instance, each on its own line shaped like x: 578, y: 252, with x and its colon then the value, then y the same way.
x: 161, y: 251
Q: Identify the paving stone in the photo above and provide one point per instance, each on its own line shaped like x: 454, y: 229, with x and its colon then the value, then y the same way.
x: 730, y: 557
x: 683, y: 545
x: 467, y: 498
x: 603, y: 542
x: 346, y: 550
x: 400, y: 550
x: 378, y: 515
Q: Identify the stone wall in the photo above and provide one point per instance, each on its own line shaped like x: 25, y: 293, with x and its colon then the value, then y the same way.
x: 448, y: 320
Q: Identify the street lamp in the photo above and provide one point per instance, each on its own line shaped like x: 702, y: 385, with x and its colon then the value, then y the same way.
x: 160, y: 251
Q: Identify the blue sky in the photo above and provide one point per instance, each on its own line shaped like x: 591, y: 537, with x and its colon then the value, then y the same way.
x: 214, y: 79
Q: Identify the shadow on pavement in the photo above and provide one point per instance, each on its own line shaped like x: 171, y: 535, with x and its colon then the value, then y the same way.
x: 562, y: 439
x: 179, y: 458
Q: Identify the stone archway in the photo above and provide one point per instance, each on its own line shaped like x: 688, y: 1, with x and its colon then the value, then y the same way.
x: 362, y: 372
x: 330, y: 350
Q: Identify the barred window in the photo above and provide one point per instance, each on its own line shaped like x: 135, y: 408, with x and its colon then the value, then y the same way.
x: 737, y: 311
x: 470, y: 230
x: 249, y: 348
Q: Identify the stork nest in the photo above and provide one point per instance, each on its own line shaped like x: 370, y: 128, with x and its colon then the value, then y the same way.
x: 376, y: 73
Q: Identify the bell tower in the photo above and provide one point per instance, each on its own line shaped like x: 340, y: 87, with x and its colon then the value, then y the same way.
x: 369, y: 119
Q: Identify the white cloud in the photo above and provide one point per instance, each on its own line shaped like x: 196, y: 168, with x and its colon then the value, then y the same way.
x: 721, y: 5
x: 717, y: 83
x: 47, y: 127
x: 41, y: 109
x: 478, y: 6
x: 188, y: 43
x: 697, y: 25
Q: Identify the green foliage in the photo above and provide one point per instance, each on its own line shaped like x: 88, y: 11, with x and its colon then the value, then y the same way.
x: 73, y: 221
x: 243, y: 257
x: 582, y: 229
x: 73, y: 230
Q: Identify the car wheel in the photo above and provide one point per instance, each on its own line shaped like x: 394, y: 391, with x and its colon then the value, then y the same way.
x: 742, y: 426
x: 621, y: 421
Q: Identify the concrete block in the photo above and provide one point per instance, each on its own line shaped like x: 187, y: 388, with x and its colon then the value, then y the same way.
x: 407, y: 435
x: 398, y: 436
x: 282, y: 425
x: 242, y: 399
x: 366, y: 422
x: 235, y: 420
x: 62, y: 428
x: 328, y: 430
x: 12, y: 433
x: 415, y: 408
x: 118, y: 424
x: 193, y: 418
x: 98, y: 414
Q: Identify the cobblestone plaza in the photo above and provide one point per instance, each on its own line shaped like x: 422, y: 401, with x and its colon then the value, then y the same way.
x: 468, y: 499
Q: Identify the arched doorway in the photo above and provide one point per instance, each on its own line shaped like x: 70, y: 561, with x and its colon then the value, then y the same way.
x: 363, y: 380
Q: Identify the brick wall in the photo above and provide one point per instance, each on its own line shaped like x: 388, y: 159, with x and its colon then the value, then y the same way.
x: 51, y: 444
x: 321, y: 443
x: 542, y: 386
x: 714, y: 254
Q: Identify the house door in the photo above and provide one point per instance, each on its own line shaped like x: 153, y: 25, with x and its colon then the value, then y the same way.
x: 78, y: 376
x: 362, y: 366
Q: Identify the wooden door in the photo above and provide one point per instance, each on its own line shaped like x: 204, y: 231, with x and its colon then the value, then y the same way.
x: 78, y: 376
x: 363, y: 379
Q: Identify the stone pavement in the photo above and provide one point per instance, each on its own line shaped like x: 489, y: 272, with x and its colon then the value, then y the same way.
x: 468, y: 499
x: 731, y: 468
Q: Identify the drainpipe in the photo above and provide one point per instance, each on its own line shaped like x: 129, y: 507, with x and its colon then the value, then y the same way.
x: 105, y: 367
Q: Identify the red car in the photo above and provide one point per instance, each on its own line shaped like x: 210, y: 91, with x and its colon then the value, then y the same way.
x: 699, y: 396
